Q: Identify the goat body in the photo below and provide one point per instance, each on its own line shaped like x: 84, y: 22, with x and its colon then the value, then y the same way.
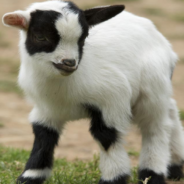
x: 111, y: 66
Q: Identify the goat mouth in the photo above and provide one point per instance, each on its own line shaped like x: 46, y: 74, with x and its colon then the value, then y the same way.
x: 65, y: 68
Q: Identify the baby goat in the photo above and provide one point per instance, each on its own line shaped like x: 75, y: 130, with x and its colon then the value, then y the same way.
x: 107, y: 65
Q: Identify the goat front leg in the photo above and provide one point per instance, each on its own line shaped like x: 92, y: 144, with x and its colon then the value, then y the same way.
x: 114, y: 161
x: 39, y: 165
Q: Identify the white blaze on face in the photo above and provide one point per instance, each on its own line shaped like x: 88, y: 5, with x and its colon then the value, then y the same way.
x: 70, y: 30
x: 69, y: 27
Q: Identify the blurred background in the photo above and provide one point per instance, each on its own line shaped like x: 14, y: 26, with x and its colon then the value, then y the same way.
x: 15, y: 131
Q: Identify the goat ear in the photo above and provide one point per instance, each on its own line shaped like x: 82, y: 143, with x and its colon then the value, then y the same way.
x: 100, y: 14
x: 16, y: 19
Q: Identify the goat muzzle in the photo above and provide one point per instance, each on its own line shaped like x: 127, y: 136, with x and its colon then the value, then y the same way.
x: 67, y: 65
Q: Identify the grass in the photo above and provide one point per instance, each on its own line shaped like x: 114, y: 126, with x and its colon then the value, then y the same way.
x: 133, y: 153
x: 179, y: 17
x: 75, y: 172
x: 133, y: 178
x: 114, y: 1
x: 10, y: 86
x: 176, y: 37
x: 8, y: 75
x: 182, y: 115
x: 12, y: 163
x: 181, y: 60
x: 1, y: 125
x: 154, y: 11
x: 9, y: 66
x: 3, y: 44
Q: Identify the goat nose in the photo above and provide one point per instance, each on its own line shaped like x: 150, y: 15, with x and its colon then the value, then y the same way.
x: 69, y: 62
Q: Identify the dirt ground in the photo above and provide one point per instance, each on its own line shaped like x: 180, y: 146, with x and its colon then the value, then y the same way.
x: 76, y: 141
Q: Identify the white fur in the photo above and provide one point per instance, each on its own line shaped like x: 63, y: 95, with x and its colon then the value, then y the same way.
x: 177, y: 136
x: 155, y: 154
x: 37, y: 173
x: 125, y: 71
x: 114, y: 162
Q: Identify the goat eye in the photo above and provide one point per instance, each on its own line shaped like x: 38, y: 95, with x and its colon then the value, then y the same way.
x: 40, y: 38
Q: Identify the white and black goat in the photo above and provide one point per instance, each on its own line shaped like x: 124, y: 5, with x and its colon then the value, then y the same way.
x: 105, y: 64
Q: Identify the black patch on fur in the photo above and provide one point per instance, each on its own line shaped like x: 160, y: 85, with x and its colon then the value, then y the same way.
x: 42, y: 24
x: 119, y: 180
x: 105, y: 135
x: 97, y: 15
x: 73, y: 7
x: 84, y: 26
x: 42, y: 153
x: 175, y: 172
x: 85, y: 30
x: 155, y: 178
x: 22, y: 180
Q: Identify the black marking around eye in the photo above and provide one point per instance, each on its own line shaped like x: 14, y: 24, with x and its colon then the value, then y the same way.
x: 42, y: 23
x: 85, y: 29
x: 83, y: 24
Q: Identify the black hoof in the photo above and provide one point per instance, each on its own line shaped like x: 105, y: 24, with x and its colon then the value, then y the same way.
x: 22, y: 180
x: 175, y: 172
x: 119, y: 180
x: 154, y: 177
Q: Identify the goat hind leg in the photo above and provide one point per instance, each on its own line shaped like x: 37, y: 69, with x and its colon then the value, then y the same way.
x: 155, y: 127
x: 175, y: 169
